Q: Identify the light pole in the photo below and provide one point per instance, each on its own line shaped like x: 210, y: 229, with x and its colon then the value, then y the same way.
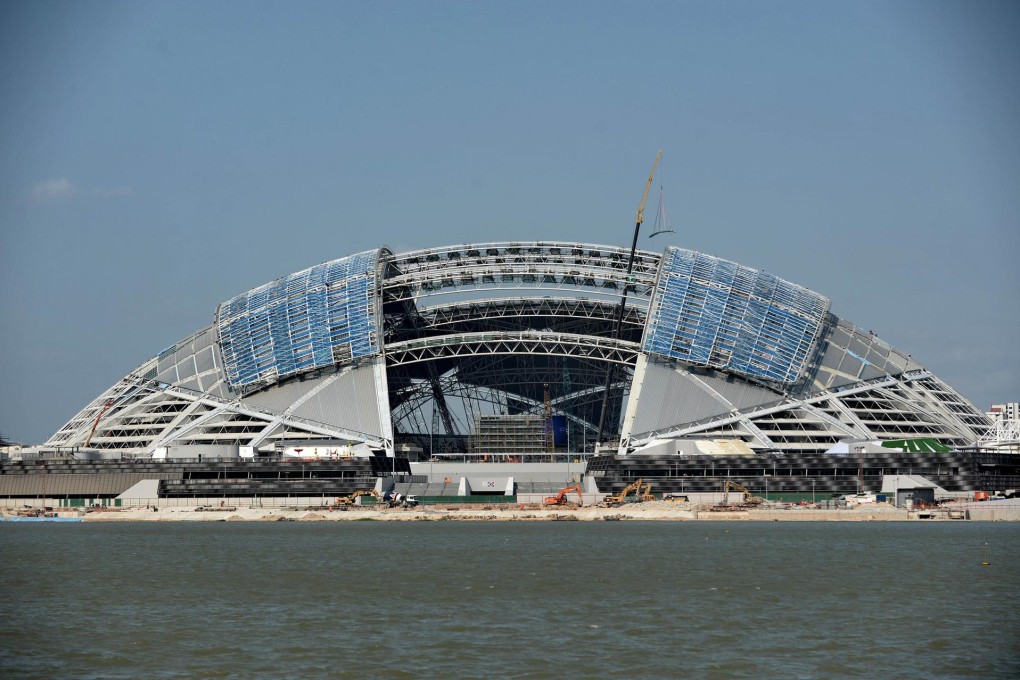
x: 812, y: 491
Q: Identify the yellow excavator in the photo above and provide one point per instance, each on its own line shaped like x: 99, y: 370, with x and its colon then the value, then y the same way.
x: 348, y: 501
x: 645, y: 493
x: 747, y: 498
x: 640, y: 489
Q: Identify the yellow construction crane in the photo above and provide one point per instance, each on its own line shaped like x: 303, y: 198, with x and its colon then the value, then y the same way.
x: 644, y: 196
x: 611, y: 368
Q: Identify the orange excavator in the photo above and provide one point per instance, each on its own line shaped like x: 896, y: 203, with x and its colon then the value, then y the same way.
x: 561, y: 497
x: 102, y: 412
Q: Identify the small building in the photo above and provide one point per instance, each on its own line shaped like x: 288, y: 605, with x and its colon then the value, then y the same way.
x: 907, y: 491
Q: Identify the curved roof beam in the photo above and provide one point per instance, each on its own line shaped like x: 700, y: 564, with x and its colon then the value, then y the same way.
x: 555, y: 307
x: 529, y: 342
x: 519, y: 266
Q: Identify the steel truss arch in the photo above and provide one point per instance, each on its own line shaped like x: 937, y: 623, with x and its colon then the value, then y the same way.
x: 554, y: 344
x: 454, y: 313
x: 540, y: 266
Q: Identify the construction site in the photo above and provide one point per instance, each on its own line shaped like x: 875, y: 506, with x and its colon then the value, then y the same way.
x: 505, y: 372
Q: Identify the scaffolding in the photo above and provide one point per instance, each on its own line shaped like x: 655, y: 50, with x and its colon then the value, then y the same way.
x: 315, y: 318
x: 514, y: 435
x: 718, y: 314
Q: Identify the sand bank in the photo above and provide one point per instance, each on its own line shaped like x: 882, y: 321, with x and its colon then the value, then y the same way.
x: 650, y: 511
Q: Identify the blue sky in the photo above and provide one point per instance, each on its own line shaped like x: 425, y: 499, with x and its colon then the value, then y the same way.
x: 157, y: 158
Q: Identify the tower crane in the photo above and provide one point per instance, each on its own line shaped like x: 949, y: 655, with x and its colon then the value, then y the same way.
x: 623, y: 298
x: 644, y: 199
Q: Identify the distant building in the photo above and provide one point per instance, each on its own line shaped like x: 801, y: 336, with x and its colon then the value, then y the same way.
x: 7, y: 447
x: 1004, y: 434
x: 1009, y: 411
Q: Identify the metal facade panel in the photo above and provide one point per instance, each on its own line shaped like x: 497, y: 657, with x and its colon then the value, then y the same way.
x: 715, y: 313
x: 850, y: 365
x: 670, y: 398
x: 841, y: 336
x: 80, y: 484
x: 219, y: 389
x: 898, y: 361
x: 851, y: 354
x: 857, y: 346
x: 205, y: 338
x: 740, y: 394
x: 184, y: 359
x: 192, y: 384
x: 205, y: 359
x: 186, y: 368
x: 311, y: 319
x: 348, y: 403
x: 279, y: 398
x: 871, y: 372
x: 168, y: 374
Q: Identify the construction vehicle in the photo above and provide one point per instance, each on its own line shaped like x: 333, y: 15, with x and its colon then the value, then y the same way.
x: 102, y: 412
x: 348, y: 501
x: 621, y: 498
x: 747, y: 498
x: 399, y: 500
x: 618, y: 328
x: 675, y: 498
x: 561, y: 497
x: 645, y: 492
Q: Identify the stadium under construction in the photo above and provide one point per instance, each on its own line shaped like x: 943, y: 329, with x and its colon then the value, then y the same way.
x: 675, y: 366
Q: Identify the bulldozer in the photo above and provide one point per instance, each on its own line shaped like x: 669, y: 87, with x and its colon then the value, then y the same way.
x: 561, y: 497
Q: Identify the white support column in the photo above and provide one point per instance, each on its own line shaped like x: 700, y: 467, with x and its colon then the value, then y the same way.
x: 382, y: 400
x: 632, y: 402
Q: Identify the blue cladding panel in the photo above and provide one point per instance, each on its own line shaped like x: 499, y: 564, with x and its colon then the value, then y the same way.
x: 718, y: 314
x: 311, y: 319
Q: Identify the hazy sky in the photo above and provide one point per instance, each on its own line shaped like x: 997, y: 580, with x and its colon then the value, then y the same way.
x: 157, y: 158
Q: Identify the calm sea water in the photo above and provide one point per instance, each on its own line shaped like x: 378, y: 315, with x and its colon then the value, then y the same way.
x: 510, y: 599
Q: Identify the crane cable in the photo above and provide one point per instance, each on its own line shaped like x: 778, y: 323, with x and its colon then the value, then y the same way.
x: 661, y: 224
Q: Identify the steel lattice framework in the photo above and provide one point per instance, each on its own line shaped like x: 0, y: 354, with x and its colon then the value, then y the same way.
x: 520, y: 269
x: 387, y: 348
x: 494, y: 344
x: 715, y: 313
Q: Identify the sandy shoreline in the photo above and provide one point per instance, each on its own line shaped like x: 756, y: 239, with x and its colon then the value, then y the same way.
x: 651, y: 511
x: 1004, y: 510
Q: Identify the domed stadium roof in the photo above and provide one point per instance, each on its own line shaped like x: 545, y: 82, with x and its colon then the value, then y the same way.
x: 422, y: 347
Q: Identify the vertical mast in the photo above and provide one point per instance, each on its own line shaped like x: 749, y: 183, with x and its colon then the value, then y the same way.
x: 611, y: 369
